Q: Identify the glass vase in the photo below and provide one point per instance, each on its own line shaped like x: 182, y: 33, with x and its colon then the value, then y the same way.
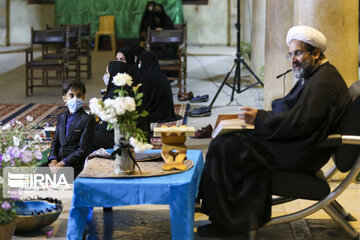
x: 123, y: 164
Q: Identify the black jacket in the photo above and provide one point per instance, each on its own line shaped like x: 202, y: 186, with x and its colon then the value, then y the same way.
x: 75, y: 147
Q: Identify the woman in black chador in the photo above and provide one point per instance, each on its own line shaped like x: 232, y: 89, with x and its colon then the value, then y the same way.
x: 145, y: 20
x: 157, y: 89
x: 159, y: 20
x: 104, y: 138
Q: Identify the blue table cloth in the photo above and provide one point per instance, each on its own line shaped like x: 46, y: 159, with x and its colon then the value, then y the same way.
x: 178, y: 190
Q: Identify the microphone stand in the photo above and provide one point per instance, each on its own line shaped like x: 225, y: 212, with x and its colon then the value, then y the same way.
x: 237, y: 65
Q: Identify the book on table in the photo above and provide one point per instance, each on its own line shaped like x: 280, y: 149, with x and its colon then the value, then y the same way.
x: 228, y: 123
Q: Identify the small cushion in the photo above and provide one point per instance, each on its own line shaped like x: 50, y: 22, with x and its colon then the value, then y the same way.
x: 169, y: 62
x: 296, y: 184
x: 46, y: 63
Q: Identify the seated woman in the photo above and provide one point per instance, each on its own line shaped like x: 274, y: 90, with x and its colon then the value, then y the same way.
x: 157, y: 89
x: 160, y: 20
x: 104, y: 138
x: 147, y: 15
x: 126, y: 56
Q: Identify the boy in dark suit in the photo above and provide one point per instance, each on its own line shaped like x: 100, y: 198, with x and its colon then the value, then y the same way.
x: 74, y: 131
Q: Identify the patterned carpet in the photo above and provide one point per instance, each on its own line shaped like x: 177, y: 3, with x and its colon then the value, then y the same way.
x: 46, y: 115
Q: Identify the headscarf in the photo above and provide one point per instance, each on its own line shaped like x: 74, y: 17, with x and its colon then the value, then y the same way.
x: 129, y: 56
x: 164, y: 20
x: 146, y: 17
x: 308, y: 35
x: 156, y: 89
x: 114, y: 68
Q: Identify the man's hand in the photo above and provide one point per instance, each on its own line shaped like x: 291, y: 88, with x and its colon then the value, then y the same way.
x: 52, y: 163
x: 56, y: 167
x: 158, y: 29
x: 248, y: 114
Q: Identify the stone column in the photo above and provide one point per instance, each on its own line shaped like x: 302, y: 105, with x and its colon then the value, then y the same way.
x: 338, y: 21
x: 279, y: 18
x: 258, y: 36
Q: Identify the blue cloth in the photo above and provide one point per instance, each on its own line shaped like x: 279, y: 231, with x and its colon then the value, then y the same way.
x: 178, y: 190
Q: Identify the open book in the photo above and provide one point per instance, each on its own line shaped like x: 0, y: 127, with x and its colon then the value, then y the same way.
x: 229, y: 122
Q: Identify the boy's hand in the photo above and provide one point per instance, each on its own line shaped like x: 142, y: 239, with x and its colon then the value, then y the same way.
x: 56, y: 167
x: 52, y: 163
x: 248, y: 114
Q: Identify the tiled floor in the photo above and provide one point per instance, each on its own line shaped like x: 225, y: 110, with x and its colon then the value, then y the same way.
x: 207, y: 67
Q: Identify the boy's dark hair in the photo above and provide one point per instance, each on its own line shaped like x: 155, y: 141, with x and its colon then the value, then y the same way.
x: 73, y: 85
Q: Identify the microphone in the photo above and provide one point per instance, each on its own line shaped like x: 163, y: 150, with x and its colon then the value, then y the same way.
x: 287, y: 71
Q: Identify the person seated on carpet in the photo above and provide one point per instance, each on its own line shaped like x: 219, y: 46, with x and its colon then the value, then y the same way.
x: 74, y: 131
x: 157, y: 90
x: 123, y: 55
x: 137, y: 51
x: 103, y: 137
x: 236, y: 182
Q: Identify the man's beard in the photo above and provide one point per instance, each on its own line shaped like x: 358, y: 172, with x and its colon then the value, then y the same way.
x: 304, y: 69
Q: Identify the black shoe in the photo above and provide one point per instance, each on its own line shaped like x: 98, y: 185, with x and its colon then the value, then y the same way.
x: 107, y: 209
x: 197, y: 99
x: 213, y: 230
x: 200, y: 112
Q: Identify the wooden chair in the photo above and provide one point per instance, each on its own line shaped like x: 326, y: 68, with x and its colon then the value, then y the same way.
x: 175, y: 38
x: 85, y: 47
x: 106, y: 27
x: 74, y: 49
x: 291, y: 185
x: 49, y: 38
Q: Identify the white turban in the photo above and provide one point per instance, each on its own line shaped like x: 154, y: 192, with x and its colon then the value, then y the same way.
x: 308, y: 35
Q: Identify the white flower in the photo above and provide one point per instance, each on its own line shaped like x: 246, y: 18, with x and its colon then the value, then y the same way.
x: 29, y: 118
x: 129, y: 104
x: 6, y: 127
x: 122, y: 79
x: 95, y: 106
x: 38, y: 138
x: 16, y: 141
x: 6, y: 157
x: 119, y: 106
x: 19, y: 123
x: 140, y: 147
x: 109, y: 102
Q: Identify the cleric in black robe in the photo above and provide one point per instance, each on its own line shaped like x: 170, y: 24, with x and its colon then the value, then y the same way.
x: 103, y: 137
x: 236, y: 181
x: 157, y: 89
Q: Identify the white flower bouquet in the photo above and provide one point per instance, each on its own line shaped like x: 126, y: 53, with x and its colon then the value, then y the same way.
x: 121, y: 112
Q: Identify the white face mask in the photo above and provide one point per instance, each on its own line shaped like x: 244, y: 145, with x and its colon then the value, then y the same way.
x: 74, y: 104
x: 106, y: 79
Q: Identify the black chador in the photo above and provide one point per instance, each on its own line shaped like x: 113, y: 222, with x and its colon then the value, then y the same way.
x: 157, y: 89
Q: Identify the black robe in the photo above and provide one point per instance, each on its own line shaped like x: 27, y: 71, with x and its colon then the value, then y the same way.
x: 236, y: 181
x: 145, y: 21
x: 157, y: 90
